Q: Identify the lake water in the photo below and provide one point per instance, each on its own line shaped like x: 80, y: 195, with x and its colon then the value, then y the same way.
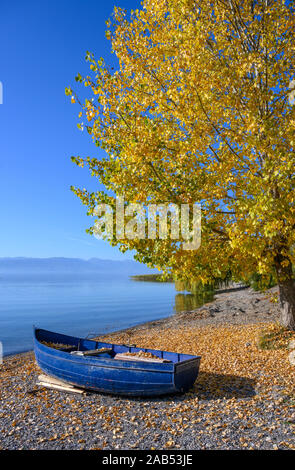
x: 80, y: 305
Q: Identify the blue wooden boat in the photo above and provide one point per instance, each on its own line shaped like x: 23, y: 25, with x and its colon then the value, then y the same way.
x: 75, y: 364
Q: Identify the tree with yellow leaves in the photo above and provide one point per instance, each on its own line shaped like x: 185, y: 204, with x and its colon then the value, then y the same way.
x: 200, y: 110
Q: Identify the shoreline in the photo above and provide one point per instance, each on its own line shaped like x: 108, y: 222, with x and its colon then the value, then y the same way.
x: 134, y: 327
x: 221, y: 310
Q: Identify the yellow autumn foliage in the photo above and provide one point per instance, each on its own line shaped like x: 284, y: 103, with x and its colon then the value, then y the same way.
x: 198, y: 110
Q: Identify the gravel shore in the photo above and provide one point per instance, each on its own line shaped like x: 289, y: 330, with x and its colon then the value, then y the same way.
x: 242, y: 399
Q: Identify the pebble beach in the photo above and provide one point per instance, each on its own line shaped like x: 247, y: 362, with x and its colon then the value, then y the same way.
x: 243, y: 398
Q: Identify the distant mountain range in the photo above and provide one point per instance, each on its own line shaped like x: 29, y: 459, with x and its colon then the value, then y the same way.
x: 72, y: 265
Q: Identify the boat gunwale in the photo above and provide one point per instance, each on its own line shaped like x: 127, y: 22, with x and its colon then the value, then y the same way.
x: 106, y: 362
x: 100, y: 360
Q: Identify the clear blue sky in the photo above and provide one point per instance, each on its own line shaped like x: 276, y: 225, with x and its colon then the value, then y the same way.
x: 42, y: 48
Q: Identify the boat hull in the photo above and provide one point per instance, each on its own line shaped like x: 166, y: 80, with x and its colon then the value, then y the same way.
x: 119, y: 377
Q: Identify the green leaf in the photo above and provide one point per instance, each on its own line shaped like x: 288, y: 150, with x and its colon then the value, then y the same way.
x: 68, y: 91
x: 79, y: 78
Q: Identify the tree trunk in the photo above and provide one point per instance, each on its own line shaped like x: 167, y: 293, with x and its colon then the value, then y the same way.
x: 286, y: 292
x: 287, y: 302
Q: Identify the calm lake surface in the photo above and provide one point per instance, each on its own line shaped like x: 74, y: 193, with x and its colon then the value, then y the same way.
x: 81, y: 305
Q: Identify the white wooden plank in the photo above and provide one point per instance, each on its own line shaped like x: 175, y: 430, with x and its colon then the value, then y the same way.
x: 53, y: 380
x: 61, y: 388
x: 124, y: 357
